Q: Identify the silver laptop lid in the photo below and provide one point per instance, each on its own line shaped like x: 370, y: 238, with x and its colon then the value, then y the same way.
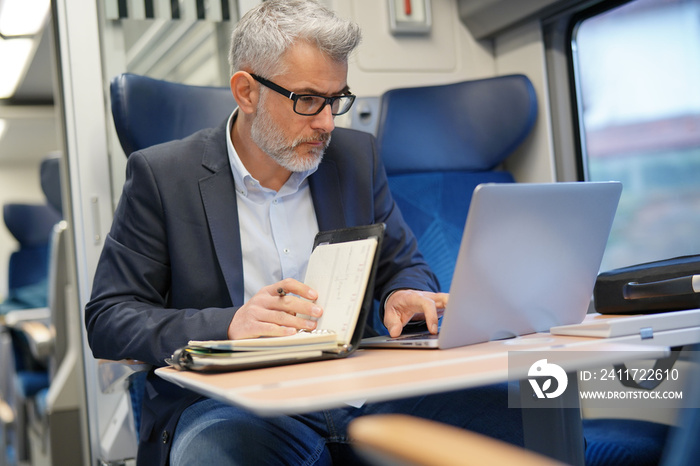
x: 528, y: 260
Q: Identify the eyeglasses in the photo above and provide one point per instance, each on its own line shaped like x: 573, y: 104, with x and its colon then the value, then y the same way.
x: 309, y: 104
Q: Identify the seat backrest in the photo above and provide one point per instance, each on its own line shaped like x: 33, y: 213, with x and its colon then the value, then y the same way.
x: 439, y: 142
x: 149, y: 111
x: 31, y: 225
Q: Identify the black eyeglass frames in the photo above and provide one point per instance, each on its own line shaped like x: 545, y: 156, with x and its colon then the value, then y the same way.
x: 309, y: 104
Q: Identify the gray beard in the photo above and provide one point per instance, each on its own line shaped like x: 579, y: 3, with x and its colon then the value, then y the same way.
x: 268, y: 136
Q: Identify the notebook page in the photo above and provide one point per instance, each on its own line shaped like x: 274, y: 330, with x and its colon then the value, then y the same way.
x: 339, y: 272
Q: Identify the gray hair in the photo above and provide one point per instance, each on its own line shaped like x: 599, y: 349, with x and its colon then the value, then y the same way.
x: 264, y: 33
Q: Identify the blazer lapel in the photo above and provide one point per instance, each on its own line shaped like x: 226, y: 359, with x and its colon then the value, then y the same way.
x: 219, y: 201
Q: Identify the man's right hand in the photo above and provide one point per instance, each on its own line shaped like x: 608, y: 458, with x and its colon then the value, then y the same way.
x: 276, y: 310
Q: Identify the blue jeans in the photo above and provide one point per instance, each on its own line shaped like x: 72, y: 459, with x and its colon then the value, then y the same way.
x: 213, y: 433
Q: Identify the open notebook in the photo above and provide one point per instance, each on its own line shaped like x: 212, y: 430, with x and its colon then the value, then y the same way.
x: 341, y: 268
x: 528, y: 261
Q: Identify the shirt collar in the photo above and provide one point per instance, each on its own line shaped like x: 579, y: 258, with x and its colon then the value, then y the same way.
x: 246, y: 185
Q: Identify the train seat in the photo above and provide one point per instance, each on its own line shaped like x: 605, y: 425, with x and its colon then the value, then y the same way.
x: 439, y: 142
x: 148, y: 111
x: 31, y: 225
x: 21, y: 375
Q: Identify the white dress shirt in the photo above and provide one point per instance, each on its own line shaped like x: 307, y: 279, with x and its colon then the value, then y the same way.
x: 277, y: 227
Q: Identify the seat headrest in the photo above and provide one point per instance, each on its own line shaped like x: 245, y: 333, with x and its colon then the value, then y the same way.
x: 31, y: 224
x: 421, y: 129
x: 50, y: 174
x: 149, y: 111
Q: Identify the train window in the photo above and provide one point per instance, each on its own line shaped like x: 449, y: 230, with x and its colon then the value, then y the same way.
x: 637, y: 69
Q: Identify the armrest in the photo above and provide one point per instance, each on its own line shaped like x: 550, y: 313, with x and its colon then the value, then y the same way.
x: 114, y: 374
x: 40, y: 337
x: 406, y: 439
x: 36, y: 326
x: 12, y: 318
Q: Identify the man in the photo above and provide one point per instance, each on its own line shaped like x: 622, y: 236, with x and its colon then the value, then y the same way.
x: 208, y: 228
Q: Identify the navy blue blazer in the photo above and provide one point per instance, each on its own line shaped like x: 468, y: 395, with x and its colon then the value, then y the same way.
x: 171, y: 269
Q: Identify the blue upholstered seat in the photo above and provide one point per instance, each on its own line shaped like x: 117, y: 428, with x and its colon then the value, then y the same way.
x: 24, y: 376
x: 439, y: 142
x: 149, y: 111
x: 31, y: 225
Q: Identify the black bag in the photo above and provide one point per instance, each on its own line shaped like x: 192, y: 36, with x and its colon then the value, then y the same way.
x: 661, y: 286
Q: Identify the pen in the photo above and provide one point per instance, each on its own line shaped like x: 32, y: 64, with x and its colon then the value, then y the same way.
x: 281, y: 292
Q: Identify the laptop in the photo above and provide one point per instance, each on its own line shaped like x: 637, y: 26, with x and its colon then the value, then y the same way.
x: 528, y: 261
